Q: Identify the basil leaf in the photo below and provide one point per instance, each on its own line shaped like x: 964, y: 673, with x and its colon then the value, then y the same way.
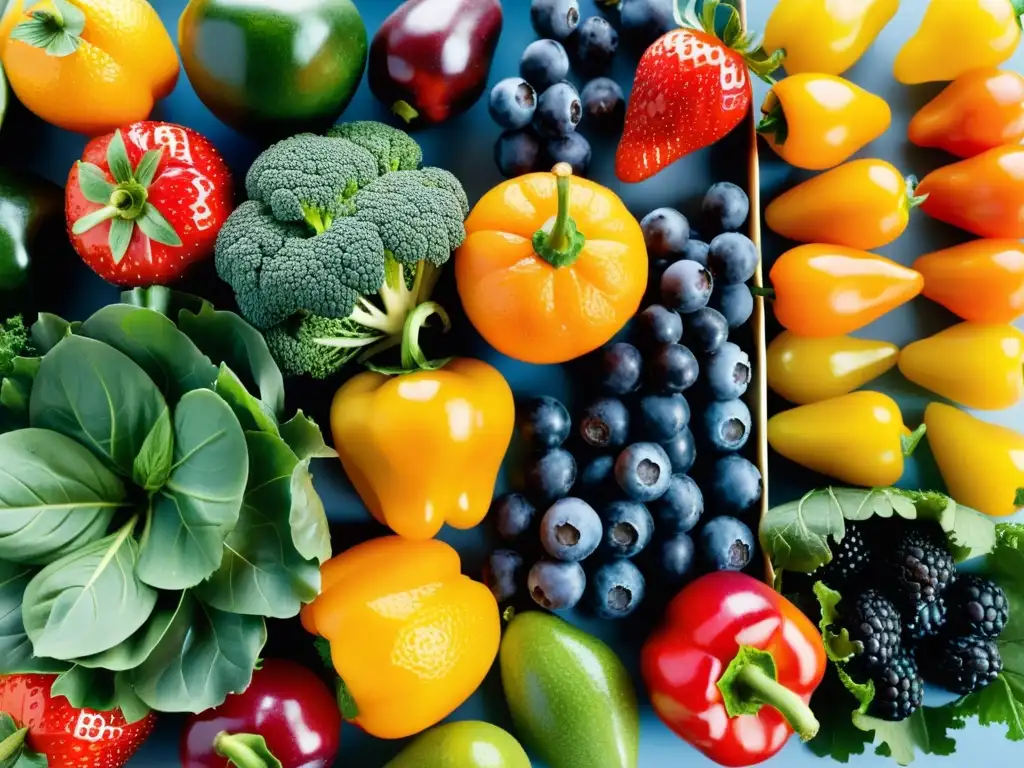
x: 305, y: 438
x: 153, y: 464
x: 55, y: 496
x: 171, y: 607
x: 16, y: 656
x: 183, y: 543
x: 254, y: 415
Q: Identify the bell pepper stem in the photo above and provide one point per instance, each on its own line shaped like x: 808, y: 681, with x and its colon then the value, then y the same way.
x: 764, y: 292
x: 1018, y: 11
x: 10, y: 746
x: 405, y: 110
x: 237, y: 752
x: 413, y: 358
x: 770, y: 691
x: 561, y: 246
x: 1018, y: 499
x: 914, y: 199
x: 909, y: 443
x: 774, y: 122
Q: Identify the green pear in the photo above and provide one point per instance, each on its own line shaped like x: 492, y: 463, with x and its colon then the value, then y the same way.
x: 572, y: 700
x: 465, y: 744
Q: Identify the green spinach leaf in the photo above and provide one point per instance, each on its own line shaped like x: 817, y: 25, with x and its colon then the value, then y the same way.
x: 254, y: 415
x: 88, y: 601
x: 98, y: 397
x: 183, y: 543
x: 153, y: 464
x: 16, y: 655
x: 86, y: 688
x: 55, y: 496
x: 171, y: 607
x: 48, y: 331
x: 132, y: 707
x: 200, y: 661
x: 311, y: 534
x: 305, y: 438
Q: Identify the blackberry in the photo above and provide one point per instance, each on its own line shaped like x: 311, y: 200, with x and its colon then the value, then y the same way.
x: 922, y: 567
x: 977, y: 606
x: 850, y: 558
x: 874, y: 627
x: 966, y: 664
x: 899, y: 689
x: 922, y: 620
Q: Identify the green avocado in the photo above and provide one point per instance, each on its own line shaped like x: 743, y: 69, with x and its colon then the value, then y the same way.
x: 273, y: 68
x: 572, y: 700
x: 466, y: 744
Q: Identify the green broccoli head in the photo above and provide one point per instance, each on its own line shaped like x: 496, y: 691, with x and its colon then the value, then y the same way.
x: 298, y: 344
x: 393, y: 149
x: 309, y: 178
x: 13, y: 342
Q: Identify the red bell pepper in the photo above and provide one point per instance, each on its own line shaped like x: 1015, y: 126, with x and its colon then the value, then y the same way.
x: 733, y: 668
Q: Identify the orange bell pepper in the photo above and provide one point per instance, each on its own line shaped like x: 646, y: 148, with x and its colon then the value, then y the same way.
x: 980, y: 110
x: 807, y: 370
x: 862, y: 204
x: 410, y: 636
x: 819, y: 121
x: 831, y: 290
x: 981, y: 280
x: 552, y: 267
x: 975, y: 364
x: 983, y: 195
x: 89, y: 66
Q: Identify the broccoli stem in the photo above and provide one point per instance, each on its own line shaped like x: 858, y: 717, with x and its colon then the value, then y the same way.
x: 560, y: 246
x: 319, y: 221
x: 412, y: 355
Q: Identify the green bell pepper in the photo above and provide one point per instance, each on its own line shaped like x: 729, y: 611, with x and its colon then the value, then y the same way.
x: 31, y: 213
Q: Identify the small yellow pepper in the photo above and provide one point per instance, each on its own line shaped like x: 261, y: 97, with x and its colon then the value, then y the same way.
x: 857, y: 438
x: 424, y: 447
x: 957, y: 36
x: 982, y: 464
x: 817, y: 121
x: 807, y: 370
x: 975, y: 364
x: 825, y: 36
x: 410, y: 636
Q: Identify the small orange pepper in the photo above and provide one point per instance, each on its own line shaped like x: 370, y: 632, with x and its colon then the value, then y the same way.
x: 980, y: 110
x: 831, y: 290
x: 817, y: 121
x: 806, y: 370
x: 410, y: 636
x: 862, y: 204
x: 983, y: 195
x: 981, y: 280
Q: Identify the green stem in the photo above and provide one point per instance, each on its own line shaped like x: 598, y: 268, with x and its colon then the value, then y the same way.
x: 909, y: 443
x: 773, y: 693
x: 405, y: 110
x: 412, y: 355
x: 558, y: 238
x: 562, y: 245
x: 774, y: 121
x: 10, y: 746
x: 1018, y: 499
x: 1018, y: 11
x: 914, y: 199
x: 237, y: 751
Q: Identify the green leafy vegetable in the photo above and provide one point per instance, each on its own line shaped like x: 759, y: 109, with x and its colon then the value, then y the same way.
x: 1018, y: 499
x: 252, y: 413
x: 16, y: 656
x: 171, y: 607
x: 152, y: 465
x: 86, y: 688
x: 305, y: 438
x: 48, y: 331
x: 14, y: 753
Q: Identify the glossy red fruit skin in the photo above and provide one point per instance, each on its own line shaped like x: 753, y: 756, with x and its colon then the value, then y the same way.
x: 70, y: 737
x: 286, y: 704
x: 193, y: 189
x: 435, y: 55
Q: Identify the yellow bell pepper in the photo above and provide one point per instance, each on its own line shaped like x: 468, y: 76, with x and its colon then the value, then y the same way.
x: 982, y: 464
x: 423, y: 444
x: 807, y: 370
x: 817, y: 121
x: 826, y: 36
x: 957, y: 36
x: 975, y: 364
x: 857, y: 438
x: 410, y: 636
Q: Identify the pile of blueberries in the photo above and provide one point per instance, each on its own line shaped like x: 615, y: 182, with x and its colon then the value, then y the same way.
x: 624, y: 490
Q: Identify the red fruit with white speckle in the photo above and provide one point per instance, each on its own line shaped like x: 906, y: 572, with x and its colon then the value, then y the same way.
x: 145, y: 203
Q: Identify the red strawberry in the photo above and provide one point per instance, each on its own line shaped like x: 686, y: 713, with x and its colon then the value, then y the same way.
x: 60, y: 735
x: 142, y: 205
x: 691, y: 89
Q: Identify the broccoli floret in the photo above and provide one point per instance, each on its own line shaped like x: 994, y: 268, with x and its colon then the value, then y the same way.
x: 394, y: 149
x: 13, y: 343
x: 309, y: 178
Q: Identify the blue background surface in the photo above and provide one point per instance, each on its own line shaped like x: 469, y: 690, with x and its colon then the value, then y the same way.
x: 464, y: 146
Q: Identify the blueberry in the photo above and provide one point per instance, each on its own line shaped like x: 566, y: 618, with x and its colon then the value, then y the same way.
x: 662, y: 417
x: 628, y: 528
x: 726, y: 544
x: 512, y: 103
x: 673, y: 368
x: 605, y: 423
x: 616, y: 589
x: 544, y: 423
x: 555, y: 18
x: 544, y: 63
x: 682, y: 451
x: 725, y: 207
x: 551, y: 476
x: 657, y: 325
x: 735, y: 484
x: 686, y: 286
x: 556, y: 585
x: 727, y: 424
x: 735, y: 302
x: 501, y: 573
x: 603, y: 102
x: 570, y: 530
x: 680, y: 509
x: 517, y: 153
x: 647, y: 20
x: 676, y: 558
x: 573, y: 149
x: 732, y: 258
x: 597, y: 476
x: 666, y: 232
x: 558, y: 111
x: 643, y: 471
x: 706, y: 330
x: 513, y: 515
x: 696, y: 250
x: 597, y: 42
x: 727, y: 372
x: 621, y: 368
